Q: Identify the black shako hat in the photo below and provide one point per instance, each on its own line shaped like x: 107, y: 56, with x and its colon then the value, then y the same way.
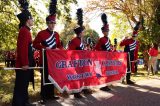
x: 105, y: 27
x: 80, y: 27
x: 25, y: 14
x: 52, y: 11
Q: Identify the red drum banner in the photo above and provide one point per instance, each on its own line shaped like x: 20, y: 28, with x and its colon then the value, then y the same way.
x: 75, y: 70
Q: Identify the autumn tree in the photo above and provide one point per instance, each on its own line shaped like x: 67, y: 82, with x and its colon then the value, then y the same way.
x: 146, y: 11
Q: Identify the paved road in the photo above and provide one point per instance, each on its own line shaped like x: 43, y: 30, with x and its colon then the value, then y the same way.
x: 144, y: 93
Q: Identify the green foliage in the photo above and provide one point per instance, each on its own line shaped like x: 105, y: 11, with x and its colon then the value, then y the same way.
x: 68, y: 33
x: 8, y: 26
x: 140, y: 55
x: 9, y: 22
x: 92, y: 34
x: 65, y: 8
x: 121, y: 27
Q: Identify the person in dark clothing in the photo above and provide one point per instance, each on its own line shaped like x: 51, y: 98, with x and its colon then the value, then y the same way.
x: 77, y: 43
x: 48, y: 39
x: 131, y: 48
x: 24, y: 58
x: 104, y: 43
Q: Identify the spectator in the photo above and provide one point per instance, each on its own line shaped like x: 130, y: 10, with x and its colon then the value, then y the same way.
x: 153, y: 53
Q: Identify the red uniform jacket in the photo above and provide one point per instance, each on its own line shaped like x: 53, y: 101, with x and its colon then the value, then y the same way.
x: 131, y: 46
x: 76, y: 44
x: 23, y: 47
x: 103, y: 44
x: 46, y: 38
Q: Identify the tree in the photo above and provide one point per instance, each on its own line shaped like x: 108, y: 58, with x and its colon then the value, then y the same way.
x: 7, y: 26
x: 146, y: 11
x: 121, y: 27
x: 92, y: 34
x: 68, y: 32
x: 9, y: 22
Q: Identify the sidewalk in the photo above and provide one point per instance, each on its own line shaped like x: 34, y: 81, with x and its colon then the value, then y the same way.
x: 144, y: 93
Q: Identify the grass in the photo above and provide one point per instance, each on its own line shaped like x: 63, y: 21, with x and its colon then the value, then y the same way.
x: 7, y: 84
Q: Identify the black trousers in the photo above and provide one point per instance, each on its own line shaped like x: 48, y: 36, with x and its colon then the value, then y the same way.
x: 129, y: 58
x: 20, y: 95
x: 47, y: 91
x: 135, y: 66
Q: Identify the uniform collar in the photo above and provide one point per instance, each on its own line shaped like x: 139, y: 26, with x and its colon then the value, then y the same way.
x: 78, y: 37
x: 49, y: 31
x: 28, y: 28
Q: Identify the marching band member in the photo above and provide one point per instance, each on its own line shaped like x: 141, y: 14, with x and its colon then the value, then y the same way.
x: 48, y: 39
x: 104, y: 43
x: 131, y: 47
x: 24, y: 57
x: 77, y: 43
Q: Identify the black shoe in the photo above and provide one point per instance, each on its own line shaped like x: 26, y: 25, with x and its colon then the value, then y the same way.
x: 29, y: 104
x: 50, y: 98
x: 43, y: 101
x: 106, y: 88
x: 55, y: 97
x: 87, y: 91
x: 78, y: 95
x: 130, y: 82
